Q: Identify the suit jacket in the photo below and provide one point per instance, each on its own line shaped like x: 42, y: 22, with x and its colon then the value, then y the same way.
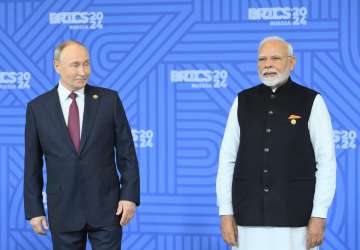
x: 81, y: 187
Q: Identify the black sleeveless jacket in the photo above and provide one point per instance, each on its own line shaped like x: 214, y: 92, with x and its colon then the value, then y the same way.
x: 274, y: 176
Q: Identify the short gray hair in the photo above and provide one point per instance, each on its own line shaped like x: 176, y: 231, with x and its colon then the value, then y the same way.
x: 62, y: 46
x: 277, y: 38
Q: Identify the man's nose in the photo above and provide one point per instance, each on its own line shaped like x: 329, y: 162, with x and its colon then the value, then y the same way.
x: 81, y: 70
x: 268, y: 63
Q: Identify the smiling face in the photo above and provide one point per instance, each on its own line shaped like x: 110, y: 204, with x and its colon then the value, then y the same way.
x: 73, y: 66
x: 274, y: 63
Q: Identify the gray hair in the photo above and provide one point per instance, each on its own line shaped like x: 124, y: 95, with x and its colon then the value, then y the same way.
x: 277, y: 38
x: 62, y: 46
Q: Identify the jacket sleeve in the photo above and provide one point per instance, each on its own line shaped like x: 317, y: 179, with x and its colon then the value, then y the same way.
x: 33, y: 177
x: 126, y: 160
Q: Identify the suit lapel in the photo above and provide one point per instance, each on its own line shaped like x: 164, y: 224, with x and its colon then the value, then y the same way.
x: 92, y: 100
x: 57, y: 115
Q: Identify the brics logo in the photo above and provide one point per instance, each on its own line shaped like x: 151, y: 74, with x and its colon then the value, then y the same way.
x: 200, y: 78
x: 15, y: 80
x: 280, y: 15
x: 142, y: 138
x: 78, y: 20
x: 345, y: 139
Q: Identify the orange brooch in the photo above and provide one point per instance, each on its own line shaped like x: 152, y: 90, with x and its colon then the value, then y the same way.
x: 293, y: 118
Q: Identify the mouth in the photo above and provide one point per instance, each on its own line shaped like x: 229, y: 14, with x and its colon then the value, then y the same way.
x: 269, y: 74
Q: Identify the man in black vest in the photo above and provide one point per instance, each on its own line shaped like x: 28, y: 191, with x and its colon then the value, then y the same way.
x: 277, y: 166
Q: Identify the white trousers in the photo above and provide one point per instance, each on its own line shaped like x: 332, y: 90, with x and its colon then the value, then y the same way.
x: 272, y: 238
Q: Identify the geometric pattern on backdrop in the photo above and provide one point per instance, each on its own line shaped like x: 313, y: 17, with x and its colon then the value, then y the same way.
x: 178, y: 66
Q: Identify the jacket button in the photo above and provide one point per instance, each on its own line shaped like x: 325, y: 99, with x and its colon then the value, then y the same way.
x: 266, y: 150
x: 266, y: 171
x: 268, y: 130
x: 272, y: 96
x: 266, y: 189
x: 270, y: 112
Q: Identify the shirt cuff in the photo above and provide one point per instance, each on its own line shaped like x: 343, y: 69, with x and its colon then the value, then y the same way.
x: 226, y: 210
x: 319, y: 212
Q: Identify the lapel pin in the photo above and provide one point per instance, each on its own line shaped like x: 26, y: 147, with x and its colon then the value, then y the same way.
x: 293, y: 119
x: 95, y: 97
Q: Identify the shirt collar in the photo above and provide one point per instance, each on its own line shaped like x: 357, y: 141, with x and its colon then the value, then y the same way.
x: 64, y: 92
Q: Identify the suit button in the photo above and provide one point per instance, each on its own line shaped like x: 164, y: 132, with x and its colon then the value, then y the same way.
x: 272, y: 96
x: 266, y: 150
x: 270, y: 112
x: 266, y: 171
x: 266, y: 189
x: 268, y: 130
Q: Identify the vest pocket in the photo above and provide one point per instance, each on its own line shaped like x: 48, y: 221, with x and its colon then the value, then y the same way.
x: 300, y: 198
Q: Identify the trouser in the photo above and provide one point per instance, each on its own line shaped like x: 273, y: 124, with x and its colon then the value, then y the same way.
x: 272, y: 238
x: 102, y: 238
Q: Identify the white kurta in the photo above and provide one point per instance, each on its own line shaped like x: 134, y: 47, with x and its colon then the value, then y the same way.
x: 280, y: 238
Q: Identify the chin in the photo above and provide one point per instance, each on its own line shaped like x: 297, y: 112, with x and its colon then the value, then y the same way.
x: 270, y: 80
x: 81, y: 84
x: 78, y: 86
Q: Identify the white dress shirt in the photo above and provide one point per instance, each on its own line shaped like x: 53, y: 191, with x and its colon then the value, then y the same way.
x: 65, y: 102
x: 280, y: 238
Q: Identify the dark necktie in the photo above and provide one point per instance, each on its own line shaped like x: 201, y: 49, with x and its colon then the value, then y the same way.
x: 74, y: 122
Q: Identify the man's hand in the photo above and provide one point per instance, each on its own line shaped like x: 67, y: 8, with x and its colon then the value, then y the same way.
x: 39, y: 225
x: 229, y: 230
x: 315, y: 232
x: 126, y: 209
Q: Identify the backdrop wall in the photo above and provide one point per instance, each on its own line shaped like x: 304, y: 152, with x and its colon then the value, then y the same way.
x: 177, y: 66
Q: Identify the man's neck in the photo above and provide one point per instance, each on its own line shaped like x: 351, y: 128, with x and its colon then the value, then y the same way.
x: 69, y: 88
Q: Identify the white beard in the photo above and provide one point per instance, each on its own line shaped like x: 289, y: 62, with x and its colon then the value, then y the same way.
x: 274, y: 81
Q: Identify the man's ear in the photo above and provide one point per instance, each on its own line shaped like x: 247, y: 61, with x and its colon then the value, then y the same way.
x: 57, y: 66
x: 292, y: 62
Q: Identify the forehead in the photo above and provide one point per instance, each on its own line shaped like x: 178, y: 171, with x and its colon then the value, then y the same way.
x: 74, y: 52
x: 273, y: 47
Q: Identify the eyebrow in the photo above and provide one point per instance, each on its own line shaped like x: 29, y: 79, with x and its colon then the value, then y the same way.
x: 270, y: 55
x: 86, y: 61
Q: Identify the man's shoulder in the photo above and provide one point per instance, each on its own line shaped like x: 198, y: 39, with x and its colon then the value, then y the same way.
x: 43, y: 98
x: 251, y: 90
x: 305, y: 89
x: 101, y: 90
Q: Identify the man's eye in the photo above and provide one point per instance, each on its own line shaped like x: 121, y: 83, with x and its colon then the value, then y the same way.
x: 262, y: 59
x: 276, y: 58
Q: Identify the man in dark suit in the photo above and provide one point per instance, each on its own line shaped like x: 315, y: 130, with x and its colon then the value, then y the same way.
x: 83, y: 134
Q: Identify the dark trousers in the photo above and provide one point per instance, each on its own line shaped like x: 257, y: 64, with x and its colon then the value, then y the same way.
x: 104, y: 238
